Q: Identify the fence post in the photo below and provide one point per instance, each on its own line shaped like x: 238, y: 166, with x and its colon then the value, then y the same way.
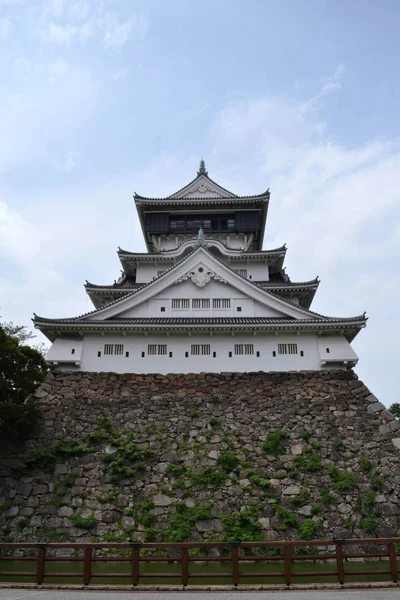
x: 87, y: 566
x: 287, y: 564
x: 41, y: 560
x: 340, y: 561
x: 135, y: 562
x: 394, y: 569
x: 235, y: 563
x: 185, y: 566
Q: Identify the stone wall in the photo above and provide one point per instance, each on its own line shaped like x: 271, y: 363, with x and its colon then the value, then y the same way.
x: 205, y: 456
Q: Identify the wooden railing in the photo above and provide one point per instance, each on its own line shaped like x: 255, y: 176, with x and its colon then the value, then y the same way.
x: 236, y: 553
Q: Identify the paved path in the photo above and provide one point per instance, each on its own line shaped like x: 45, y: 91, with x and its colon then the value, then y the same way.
x: 388, y: 594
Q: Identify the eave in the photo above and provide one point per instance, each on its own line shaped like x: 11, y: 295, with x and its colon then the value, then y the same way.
x: 53, y: 328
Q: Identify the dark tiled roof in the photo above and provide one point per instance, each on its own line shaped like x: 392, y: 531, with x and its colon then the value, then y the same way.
x: 201, y: 321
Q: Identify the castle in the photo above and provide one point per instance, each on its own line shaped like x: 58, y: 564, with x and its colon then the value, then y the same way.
x: 204, y: 298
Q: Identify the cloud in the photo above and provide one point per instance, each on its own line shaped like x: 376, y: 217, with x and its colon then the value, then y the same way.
x: 5, y: 28
x: 66, y: 163
x: 330, y: 84
x: 337, y: 206
x: 57, y: 69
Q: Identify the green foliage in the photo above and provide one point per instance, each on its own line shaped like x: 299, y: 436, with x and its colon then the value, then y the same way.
x: 369, y: 501
x: 272, y: 444
x: 5, y: 506
x: 338, y: 444
x: 305, y: 435
x: 262, y: 483
x: 22, y: 368
x: 308, y: 529
x: 242, y: 526
x: 142, y: 511
x: 215, y: 400
x: 315, y: 509
x: 366, y: 464
x: 111, y: 496
x: 326, y: 497
x: 395, y: 410
x: 208, y: 477
x: 301, y: 498
x: 343, y: 480
x: 38, y: 459
x: 315, y: 445
x: 104, y: 423
x: 377, y: 482
x: 308, y: 461
x: 18, y: 421
x: 84, y: 522
x: 184, y: 520
x: 369, y: 524
x: 227, y: 461
x: 214, y: 422
x: 289, y: 518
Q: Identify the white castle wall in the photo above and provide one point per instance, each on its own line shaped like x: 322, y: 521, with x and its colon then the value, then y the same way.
x: 222, y: 344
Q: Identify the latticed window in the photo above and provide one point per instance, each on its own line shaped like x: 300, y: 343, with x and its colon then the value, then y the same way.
x: 221, y: 303
x: 244, y: 349
x: 242, y: 272
x: 180, y: 303
x: 153, y: 349
x: 287, y: 348
x: 200, y: 349
x: 113, y: 349
x: 201, y: 303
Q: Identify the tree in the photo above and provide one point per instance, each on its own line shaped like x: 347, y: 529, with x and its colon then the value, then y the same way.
x: 395, y: 410
x: 22, y: 370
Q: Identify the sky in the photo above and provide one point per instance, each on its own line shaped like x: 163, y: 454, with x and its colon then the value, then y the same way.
x: 101, y: 98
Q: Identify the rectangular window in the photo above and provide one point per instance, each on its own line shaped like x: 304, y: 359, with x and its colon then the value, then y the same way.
x: 73, y: 351
x: 201, y: 303
x: 301, y: 353
x: 200, y: 349
x: 127, y: 354
x: 113, y: 349
x: 287, y: 348
x: 244, y: 349
x: 242, y: 272
x: 98, y: 354
x: 143, y: 354
x: 221, y: 303
x: 327, y: 350
x: 160, y: 349
x: 180, y: 303
x: 258, y: 354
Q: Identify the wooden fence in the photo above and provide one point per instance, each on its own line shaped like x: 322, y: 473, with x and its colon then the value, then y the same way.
x: 285, y: 555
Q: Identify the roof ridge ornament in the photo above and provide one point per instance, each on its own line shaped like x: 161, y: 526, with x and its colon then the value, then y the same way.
x: 201, y: 238
x: 202, y: 168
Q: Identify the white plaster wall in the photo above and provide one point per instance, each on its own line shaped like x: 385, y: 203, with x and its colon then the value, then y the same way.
x: 222, y: 345
x: 255, y: 271
x: 146, y: 273
x: 65, y: 350
x: 333, y: 348
x: 213, y: 289
x: 233, y: 241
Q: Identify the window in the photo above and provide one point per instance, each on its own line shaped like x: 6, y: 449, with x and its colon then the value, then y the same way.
x: 244, y: 349
x: 162, y: 309
x: 180, y: 303
x: 153, y: 349
x: 230, y: 354
x: 113, y: 349
x: 301, y: 353
x: 327, y: 350
x: 242, y: 272
x: 273, y: 353
x: 220, y: 303
x: 202, y: 303
x: 98, y: 354
x: 214, y: 355
x: 127, y: 354
x: 143, y: 354
x: 186, y: 354
x: 258, y: 354
x: 73, y: 351
x: 239, y: 309
x: 200, y: 349
x: 287, y: 348
x: 170, y: 354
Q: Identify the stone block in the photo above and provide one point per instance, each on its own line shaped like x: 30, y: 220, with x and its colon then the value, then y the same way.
x: 291, y: 490
x: 65, y: 511
x: 209, y: 525
x: 162, y: 500
x: 389, y: 427
x: 396, y: 443
x: 265, y: 522
x: 375, y: 407
x: 296, y: 449
x: 372, y: 398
